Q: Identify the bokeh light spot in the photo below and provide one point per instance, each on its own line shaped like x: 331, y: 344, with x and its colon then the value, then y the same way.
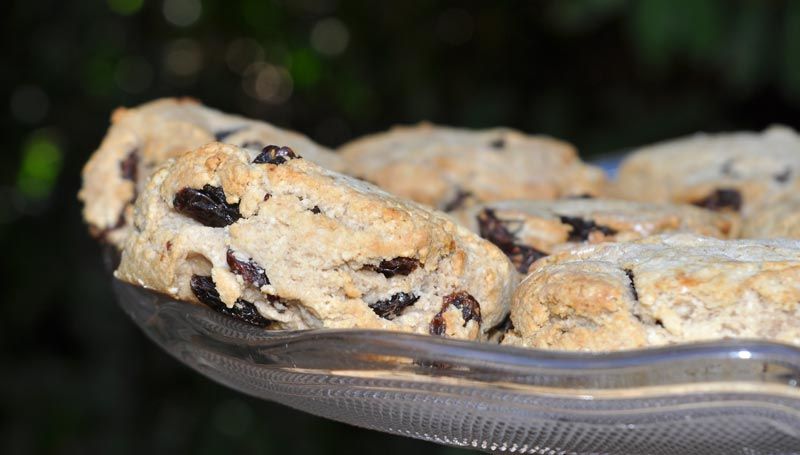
x: 29, y: 104
x: 306, y: 68
x: 183, y: 57
x: 268, y: 83
x: 125, y: 7
x: 330, y: 36
x: 242, y: 52
x: 39, y: 168
x: 133, y: 74
x: 182, y: 13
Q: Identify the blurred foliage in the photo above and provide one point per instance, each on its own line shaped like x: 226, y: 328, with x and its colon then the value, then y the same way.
x: 604, y: 74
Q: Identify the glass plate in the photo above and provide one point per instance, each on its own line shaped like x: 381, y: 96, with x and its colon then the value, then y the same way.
x: 724, y: 397
x: 711, y: 398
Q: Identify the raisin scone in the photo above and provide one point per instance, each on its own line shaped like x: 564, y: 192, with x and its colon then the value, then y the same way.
x: 276, y: 240
x: 529, y: 230
x: 730, y: 171
x: 778, y: 219
x: 659, y: 290
x: 140, y: 138
x: 448, y: 168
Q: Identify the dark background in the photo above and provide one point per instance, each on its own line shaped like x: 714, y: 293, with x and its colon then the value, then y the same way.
x: 78, y: 377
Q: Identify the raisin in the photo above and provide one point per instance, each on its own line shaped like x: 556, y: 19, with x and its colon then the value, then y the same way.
x: 129, y: 166
x: 221, y: 135
x: 722, y: 198
x: 315, y: 210
x: 267, y: 196
x: 272, y: 154
x: 250, y: 271
x: 394, y: 306
x: 783, y: 177
x: 629, y: 272
x: 580, y: 196
x: 437, y: 326
x: 254, y: 145
x: 494, y: 230
x: 522, y: 256
x: 458, y: 201
x: 497, y: 143
x: 397, y: 266
x: 205, y: 291
x: 207, y: 206
x: 581, y: 228
x: 470, y: 310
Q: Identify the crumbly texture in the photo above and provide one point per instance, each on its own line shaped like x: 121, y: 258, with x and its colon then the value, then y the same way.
x: 730, y: 171
x: 527, y: 230
x: 778, y: 219
x: 448, y: 168
x: 141, y: 138
x: 657, y: 291
x: 310, y: 248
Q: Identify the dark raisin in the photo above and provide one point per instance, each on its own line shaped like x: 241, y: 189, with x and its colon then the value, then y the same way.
x: 207, y: 206
x: 267, y: 196
x: 168, y: 245
x: 470, y: 310
x: 129, y: 166
x: 221, y: 135
x: 783, y: 177
x: 629, y: 272
x: 580, y: 196
x: 581, y: 228
x: 394, y: 306
x: 315, y: 210
x: 722, y: 198
x: 272, y: 154
x: 498, y: 143
x: 458, y: 201
x: 522, y: 256
x: 396, y: 266
x: 253, y: 145
x: 250, y: 271
x: 494, y: 230
x: 205, y: 291
x: 438, y: 326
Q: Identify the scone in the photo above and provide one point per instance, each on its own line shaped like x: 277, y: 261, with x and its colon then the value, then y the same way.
x: 448, y: 168
x: 528, y: 230
x: 778, y: 219
x: 659, y: 290
x: 733, y: 171
x: 141, y: 138
x: 278, y: 241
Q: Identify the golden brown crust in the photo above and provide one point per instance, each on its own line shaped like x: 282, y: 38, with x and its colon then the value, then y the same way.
x: 141, y: 138
x: 749, y: 168
x: 660, y: 290
x: 444, y: 167
x: 329, y: 245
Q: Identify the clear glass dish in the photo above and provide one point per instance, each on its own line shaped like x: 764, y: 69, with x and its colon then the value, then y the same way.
x: 727, y: 397
x: 712, y: 398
